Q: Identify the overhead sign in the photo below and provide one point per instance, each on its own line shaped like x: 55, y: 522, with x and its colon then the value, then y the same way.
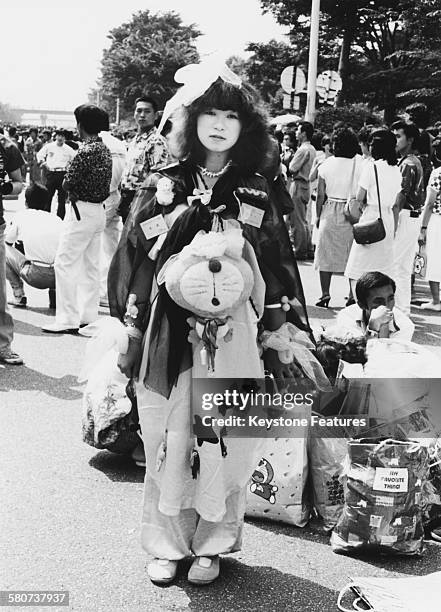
x: 293, y: 79
x: 329, y: 83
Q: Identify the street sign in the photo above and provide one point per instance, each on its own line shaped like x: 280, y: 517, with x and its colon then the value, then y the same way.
x: 292, y: 79
x: 329, y: 83
x: 286, y: 101
x: 291, y: 101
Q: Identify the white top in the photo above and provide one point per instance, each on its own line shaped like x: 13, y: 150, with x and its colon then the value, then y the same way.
x: 40, y: 232
x: 337, y: 173
x: 351, y: 318
x: 389, y: 180
x: 57, y: 157
x: 119, y: 153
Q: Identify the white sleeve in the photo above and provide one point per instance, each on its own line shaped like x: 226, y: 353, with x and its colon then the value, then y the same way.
x: 42, y: 153
x: 406, y: 325
x: 11, y: 233
x: 365, y: 177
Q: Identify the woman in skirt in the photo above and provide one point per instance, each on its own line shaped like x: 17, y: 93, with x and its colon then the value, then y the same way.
x: 338, y: 177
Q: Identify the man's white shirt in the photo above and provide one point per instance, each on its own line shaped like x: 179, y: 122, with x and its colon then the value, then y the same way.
x: 351, y: 317
x: 118, y: 151
x: 57, y: 157
x: 40, y: 232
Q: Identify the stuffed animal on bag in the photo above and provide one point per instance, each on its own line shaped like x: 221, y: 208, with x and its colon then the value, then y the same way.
x: 211, y: 279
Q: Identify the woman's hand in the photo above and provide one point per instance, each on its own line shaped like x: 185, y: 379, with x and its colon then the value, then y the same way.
x: 280, y: 371
x: 130, y: 362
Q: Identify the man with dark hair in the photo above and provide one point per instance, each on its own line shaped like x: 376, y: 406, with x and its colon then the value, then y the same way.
x: 78, y: 256
x: 148, y: 150
x: 418, y: 114
x: 11, y: 162
x: 408, y: 206
x: 39, y: 233
x: 55, y: 158
x: 299, y: 169
x: 375, y: 313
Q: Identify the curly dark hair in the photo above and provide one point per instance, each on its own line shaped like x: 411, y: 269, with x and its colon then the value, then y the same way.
x: 345, y: 143
x: 253, y: 146
x: 330, y: 352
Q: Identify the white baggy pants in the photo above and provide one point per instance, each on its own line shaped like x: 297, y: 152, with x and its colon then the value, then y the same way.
x: 110, y: 237
x: 405, y: 247
x: 77, y: 265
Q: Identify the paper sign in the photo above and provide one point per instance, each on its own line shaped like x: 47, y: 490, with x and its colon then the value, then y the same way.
x: 251, y: 215
x: 375, y: 521
x: 154, y: 227
x: 392, y: 480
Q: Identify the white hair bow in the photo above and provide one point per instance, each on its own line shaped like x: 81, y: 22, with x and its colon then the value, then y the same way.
x: 196, y: 79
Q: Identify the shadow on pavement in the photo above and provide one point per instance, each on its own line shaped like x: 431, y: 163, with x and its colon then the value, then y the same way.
x: 26, y: 329
x: 242, y: 588
x: 291, y: 531
x: 429, y: 562
x: 22, y: 378
x: 118, y: 468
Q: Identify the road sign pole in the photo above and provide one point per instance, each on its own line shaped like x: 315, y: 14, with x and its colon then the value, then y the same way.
x: 312, y: 64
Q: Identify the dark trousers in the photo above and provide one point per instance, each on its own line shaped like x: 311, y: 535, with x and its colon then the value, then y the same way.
x: 127, y: 196
x: 54, y: 182
x: 297, y: 225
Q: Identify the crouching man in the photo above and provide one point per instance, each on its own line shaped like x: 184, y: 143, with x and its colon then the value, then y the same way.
x: 32, y: 240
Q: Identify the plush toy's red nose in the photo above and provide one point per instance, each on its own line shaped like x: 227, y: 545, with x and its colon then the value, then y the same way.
x: 214, y: 265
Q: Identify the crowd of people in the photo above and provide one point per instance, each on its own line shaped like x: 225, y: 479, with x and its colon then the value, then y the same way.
x: 193, y: 241
x: 333, y: 178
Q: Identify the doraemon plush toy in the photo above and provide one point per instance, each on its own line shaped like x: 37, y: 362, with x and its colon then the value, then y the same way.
x: 211, y: 279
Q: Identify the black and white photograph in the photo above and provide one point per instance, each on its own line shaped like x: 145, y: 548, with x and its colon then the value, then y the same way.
x: 220, y: 315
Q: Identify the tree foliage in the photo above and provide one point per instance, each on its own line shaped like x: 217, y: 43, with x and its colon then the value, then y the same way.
x: 389, y: 49
x: 144, y: 56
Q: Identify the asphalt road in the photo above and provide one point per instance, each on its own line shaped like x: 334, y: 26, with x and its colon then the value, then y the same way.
x: 69, y: 517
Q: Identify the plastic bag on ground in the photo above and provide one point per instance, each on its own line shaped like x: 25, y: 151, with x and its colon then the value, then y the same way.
x: 383, y: 498
x: 278, y: 490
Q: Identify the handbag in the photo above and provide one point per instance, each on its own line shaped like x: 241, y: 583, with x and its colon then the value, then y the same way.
x: 371, y: 231
x: 352, y: 211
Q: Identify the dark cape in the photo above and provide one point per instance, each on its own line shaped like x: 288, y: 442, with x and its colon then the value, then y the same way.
x: 132, y: 271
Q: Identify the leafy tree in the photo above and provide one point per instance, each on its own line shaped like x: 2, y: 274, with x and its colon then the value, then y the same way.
x: 264, y: 67
x: 388, y: 42
x: 355, y: 115
x: 144, y: 56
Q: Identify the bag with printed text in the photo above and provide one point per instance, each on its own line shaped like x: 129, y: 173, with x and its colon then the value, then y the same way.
x: 383, y: 498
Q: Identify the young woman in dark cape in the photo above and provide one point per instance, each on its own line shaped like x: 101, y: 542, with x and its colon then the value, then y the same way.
x: 187, y: 509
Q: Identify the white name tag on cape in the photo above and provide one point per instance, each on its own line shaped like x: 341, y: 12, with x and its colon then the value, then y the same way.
x: 251, y: 215
x: 154, y: 227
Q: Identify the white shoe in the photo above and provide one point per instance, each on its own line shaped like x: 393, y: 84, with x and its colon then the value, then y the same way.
x: 56, y: 328
x: 204, y: 570
x: 162, y: 571
x: 431, y: 306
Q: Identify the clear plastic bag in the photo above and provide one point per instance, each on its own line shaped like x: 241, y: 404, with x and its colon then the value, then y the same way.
x: 383, y: 498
